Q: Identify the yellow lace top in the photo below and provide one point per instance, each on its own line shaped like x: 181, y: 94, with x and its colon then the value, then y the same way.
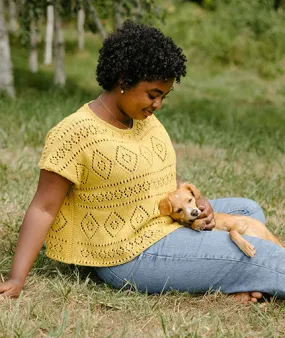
x: 119, y: 176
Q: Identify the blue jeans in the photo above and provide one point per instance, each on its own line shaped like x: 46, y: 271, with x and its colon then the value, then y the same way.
x: 196, y: 262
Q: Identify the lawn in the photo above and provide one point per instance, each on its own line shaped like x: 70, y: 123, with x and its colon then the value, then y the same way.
x: 227, y: 123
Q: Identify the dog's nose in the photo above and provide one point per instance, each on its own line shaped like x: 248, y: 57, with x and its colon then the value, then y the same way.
x: 194, y: 212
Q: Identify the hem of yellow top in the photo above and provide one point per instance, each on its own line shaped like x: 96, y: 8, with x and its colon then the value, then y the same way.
x: 126, y: 258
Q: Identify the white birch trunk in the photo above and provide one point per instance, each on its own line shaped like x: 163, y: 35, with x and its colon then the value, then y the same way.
x: 33, y: 60
x: 49, y: 35
x: 12, y: 17
x: 59, y: 76
x: 6, y: 69
x: 80, y: 28
x: 97, y: 20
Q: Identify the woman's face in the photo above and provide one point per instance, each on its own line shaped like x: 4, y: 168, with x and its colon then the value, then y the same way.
x: 141, y: 101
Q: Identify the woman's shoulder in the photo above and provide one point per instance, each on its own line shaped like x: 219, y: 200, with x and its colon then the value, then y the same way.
x: 153, y: 125
x: 76, y: 118
x: 78, y: 121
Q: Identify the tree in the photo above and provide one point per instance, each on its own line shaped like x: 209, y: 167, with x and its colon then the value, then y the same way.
x: 80, y: 25
x: 32, y: 12
x: 6, y: 70
x: 59, y: 75
x: 93, y: 12
x: 12, y: 17
x: 33, y: 59
x: 114, y: 11
x: 49, y: 34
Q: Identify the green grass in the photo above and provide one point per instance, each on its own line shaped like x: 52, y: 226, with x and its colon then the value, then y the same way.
x: 227, y: 123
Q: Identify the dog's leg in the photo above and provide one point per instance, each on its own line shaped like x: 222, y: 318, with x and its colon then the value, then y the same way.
x: 236, y: 236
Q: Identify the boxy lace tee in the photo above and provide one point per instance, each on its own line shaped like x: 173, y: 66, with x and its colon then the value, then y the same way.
x: 110, y: 214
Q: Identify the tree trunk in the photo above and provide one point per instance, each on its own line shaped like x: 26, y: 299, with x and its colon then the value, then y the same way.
x: 96, y: 19
x: 6, y: 70
x: 59, y: 76
x: 80, y: 28
x: 33, y: 61
x: 12, y: 17
x: 49, y: 35
x: 117, y: 10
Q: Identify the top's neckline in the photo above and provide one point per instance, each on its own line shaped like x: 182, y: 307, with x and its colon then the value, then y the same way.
x: 129, y: 130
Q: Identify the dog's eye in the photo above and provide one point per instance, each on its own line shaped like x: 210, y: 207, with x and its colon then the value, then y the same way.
x: 190, y: 200
x: 178, y: 211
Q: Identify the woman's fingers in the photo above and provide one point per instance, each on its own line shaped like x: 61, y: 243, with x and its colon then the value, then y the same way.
x: 10, y: 289
x: 210, y: 225
x: 205, y: 207
x: 4, y: 287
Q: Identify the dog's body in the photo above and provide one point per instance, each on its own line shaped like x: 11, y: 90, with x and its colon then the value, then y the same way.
x: 181, y: 206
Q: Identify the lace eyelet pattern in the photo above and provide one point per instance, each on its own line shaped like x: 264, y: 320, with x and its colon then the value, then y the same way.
x: 119, y: 176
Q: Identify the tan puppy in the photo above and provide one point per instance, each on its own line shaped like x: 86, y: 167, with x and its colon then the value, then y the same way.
x: 181, y: 206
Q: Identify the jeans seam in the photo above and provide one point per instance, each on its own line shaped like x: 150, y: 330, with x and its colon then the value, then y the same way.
x: 114, y: 274
x: 239, y: 209
x: 220, y: 259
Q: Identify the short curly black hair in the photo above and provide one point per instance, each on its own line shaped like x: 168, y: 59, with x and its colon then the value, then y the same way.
x: 138, y: 52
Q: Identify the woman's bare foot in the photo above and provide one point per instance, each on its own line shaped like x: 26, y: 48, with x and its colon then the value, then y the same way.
x: 248, y: 297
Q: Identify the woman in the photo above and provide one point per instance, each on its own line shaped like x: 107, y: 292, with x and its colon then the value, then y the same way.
x: 104, y: 170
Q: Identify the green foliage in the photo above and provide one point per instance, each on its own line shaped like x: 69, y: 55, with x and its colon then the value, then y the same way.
x: 32, y: 10
x: 256, y: 15
x: 248, y: 34
x: 143, y: 11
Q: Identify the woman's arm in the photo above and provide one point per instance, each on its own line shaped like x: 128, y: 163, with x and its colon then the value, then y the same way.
x: 51, y: 191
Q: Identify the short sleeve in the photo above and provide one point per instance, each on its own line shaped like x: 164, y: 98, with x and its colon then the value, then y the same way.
x: 63, y: 151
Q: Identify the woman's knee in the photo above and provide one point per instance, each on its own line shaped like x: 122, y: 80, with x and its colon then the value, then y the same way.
x: 239, y: 206
x: 253, y: 209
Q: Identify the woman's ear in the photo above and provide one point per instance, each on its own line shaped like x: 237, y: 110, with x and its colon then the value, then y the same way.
x: 194, y: 191
x: 121, y: 85
x: 165, y: 207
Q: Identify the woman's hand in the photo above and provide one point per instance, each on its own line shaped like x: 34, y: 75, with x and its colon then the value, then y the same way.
x: 207, y: 213
x: 11, y: 288
x: 52, y: 189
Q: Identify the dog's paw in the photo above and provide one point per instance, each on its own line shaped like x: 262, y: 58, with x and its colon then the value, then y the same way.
x: 249, y: 249
x: 198, y: 225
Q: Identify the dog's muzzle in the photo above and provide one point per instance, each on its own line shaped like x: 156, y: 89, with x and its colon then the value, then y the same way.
x: 193, y: 213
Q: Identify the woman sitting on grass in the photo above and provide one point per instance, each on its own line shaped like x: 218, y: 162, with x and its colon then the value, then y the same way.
x: 104, y: 170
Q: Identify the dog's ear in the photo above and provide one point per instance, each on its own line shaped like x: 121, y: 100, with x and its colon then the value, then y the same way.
x: 165, y: 207
x: 194, y: 191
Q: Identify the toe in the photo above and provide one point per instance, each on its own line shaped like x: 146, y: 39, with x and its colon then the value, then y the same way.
x: 242, y: 297
x: 253, y: 300
x: 256, y: 294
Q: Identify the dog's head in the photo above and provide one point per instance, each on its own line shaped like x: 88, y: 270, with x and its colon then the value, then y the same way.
x: 181, y: 204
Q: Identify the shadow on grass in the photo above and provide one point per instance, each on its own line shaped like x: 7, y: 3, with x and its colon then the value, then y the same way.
x: 43, y: 81
x: 51, y: 268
